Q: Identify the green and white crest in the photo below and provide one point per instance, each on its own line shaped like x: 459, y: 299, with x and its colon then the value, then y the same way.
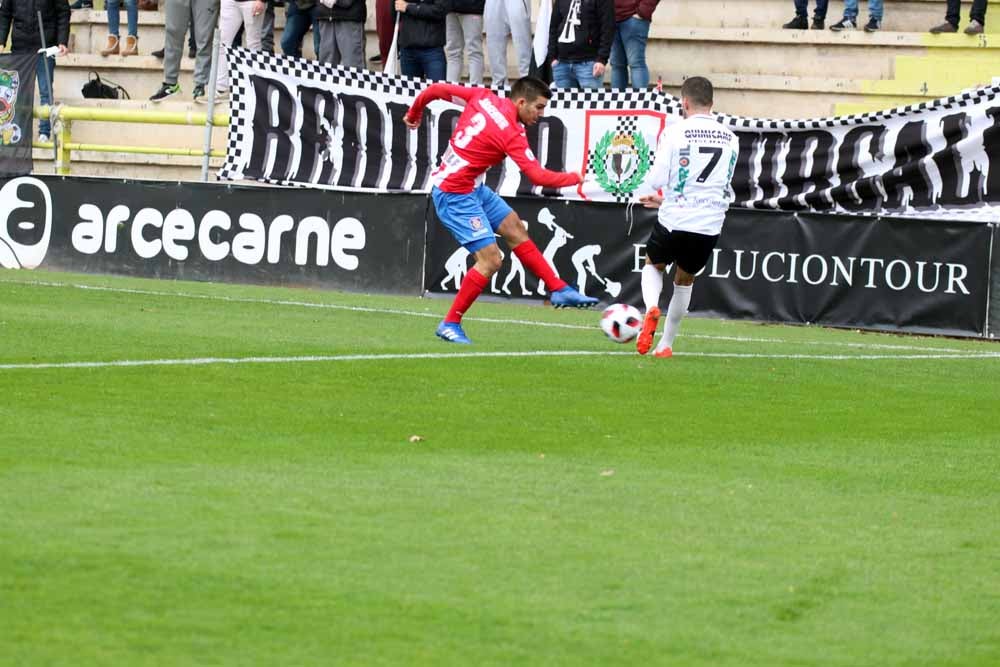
x: 620, y: 162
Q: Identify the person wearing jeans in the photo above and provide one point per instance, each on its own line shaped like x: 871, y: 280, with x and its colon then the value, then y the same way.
x: 422, y: 37
x: 580, y: 37
x: 298, y: 19
x: 977, y: 18
x: 801, y: 20
x: 628, y: 52
x: 113, y: 45
x: 850, y: 20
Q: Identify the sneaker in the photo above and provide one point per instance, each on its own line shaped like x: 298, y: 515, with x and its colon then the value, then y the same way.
x: 451, y: 332
x: 974, y: 28
x: 645, y: 339
x: 844, y: 24
x: 568, y: 297
x: 165, y: 91
x: 198, y: 94
x: 818, y: 24
x: 797, y: 23
x: 665, y: 353
x: 158, y: 54
x: 873, y: 25
x: 83, y: 4
x: 43, y: 138
x: 944, y: 27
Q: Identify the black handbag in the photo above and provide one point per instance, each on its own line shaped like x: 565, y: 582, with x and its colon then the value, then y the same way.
x: 96, y: 88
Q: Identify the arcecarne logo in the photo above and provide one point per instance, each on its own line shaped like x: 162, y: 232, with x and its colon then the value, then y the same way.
x: 216, y: 236
x: 25, y: 223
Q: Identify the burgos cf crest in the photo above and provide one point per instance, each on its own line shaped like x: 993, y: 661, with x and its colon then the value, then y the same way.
x: 9, y: 83
x: 621, y: 157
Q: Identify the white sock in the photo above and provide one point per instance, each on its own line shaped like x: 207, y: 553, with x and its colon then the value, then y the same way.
x: 652, y: 285
x: 675, y: 313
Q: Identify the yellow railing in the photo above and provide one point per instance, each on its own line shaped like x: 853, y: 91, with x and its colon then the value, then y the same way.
x: 63, y: 118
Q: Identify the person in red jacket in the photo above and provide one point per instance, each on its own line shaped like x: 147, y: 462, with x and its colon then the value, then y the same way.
x: 489, y: 130
x: 628, y: 52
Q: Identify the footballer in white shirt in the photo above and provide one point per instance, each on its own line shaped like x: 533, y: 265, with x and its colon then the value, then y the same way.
x: 693, y: 168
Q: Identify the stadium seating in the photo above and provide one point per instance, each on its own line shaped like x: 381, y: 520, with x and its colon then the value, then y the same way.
x: 758, y: 68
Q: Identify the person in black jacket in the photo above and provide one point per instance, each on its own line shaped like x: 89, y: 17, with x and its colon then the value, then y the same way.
x: 341, y: 31
x: 422, y: 37
x: 464, y: 28
x: 19, y: 19
x: 580, y: 37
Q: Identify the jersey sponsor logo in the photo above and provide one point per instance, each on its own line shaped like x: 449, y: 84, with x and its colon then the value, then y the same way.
x: 684, y: 162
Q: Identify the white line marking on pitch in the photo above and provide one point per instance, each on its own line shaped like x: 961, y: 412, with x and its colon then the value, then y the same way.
x: 491, y: 320
x: 208, y: 361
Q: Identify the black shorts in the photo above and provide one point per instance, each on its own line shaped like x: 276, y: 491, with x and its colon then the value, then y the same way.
x: 688, y: 250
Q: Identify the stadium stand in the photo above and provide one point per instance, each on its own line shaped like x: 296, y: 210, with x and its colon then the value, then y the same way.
x: 758, y: 68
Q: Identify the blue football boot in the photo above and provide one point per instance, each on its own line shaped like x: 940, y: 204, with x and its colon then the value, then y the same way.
x: 451, y: 332
x: 568, y: 297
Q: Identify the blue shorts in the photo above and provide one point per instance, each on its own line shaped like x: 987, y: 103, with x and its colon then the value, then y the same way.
x: 472, y: 218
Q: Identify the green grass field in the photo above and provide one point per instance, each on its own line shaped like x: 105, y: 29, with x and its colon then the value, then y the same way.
x: 770, y: 496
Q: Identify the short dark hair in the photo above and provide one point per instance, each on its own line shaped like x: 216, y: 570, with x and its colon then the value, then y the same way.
x: 530, y: 88
x: 699, y: 91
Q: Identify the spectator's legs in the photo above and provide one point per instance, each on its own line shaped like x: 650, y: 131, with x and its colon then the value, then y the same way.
x: 267, y: 29
x: 454, y: 43
x: 978, y: 12
x: 230, y: 20
x: 132, y: 12
x: 954, y: 12
x: 113, y: 19
x: 619, y: 62
x: 562, y: 74
x: 435, y: 65
x: 328, y: 47
x: 584, y: 73
x: 519, y: 15
x: 497, y: 29
x: 472, y: 27
x: 802, y: 8
x: 875, y: 9
x: 410, y: 63
x: 315, y: 27
x: 351, y: 42
x: 634, y: 38
x: 178, y: 15
x: 206, y: 16
x: 45, y: 85
x: 851, y: 10
x: 297, y: 24
x: 192, y: 42
x: 820, y: 11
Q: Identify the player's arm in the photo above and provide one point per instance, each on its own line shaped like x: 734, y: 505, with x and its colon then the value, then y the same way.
x: 520, y: 152
x: 659, y: 175
x: 437, y: 91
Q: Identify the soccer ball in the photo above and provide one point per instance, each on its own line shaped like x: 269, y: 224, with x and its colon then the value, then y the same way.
x: 621, y: 322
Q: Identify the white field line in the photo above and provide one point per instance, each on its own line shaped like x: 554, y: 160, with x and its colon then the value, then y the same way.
x: 209, y: 361
x: 413, y: 313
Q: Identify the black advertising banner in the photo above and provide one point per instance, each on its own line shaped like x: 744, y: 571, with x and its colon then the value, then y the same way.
x: 889, y: 274
x: 196, y: 231
x: 17, y: 100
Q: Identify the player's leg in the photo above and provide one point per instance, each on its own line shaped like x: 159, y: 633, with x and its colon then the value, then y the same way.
x: 659, y: 253
x: 693, y: 252
x: 465, y: 219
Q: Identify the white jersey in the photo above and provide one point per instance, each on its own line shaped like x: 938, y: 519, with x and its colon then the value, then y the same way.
x: 693, y: 167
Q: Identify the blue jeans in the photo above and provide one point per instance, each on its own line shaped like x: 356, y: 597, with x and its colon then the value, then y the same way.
x: 429, y: 63
x: 802, y: 8
x: 629, y: 51
x: 874, y: 9
x: 131, y: 11
x: 44, y: 86
x: 297, y: 24
x: 575, y: 75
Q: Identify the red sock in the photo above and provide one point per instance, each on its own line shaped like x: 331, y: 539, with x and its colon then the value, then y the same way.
x: 472, y: 286
x: 535, y: 261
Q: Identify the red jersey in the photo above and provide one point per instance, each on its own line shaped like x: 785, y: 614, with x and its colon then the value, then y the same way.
x: 487, y: 131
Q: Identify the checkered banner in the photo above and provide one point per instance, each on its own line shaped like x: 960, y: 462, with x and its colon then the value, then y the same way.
x: 305, y: 123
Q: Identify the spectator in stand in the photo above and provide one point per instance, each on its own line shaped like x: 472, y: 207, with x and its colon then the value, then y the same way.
x: 113, y: 45
x: 192, y: 45
x: 422, y: 37
x: 20, y: 21
x: 502, y: 18
x: 977, y: 18
x: 232, y: 15
x: 580, y: 37
x: 850, y: 20
x: 628, y: 52
x: 178, y: 15
x: 464, y: 31
x: 341, y: 32
x: 266, y: 28
x: 298, y: 19
x: 801, y: 20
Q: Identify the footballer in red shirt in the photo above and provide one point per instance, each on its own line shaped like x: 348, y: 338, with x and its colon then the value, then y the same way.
x: 490, y: 129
